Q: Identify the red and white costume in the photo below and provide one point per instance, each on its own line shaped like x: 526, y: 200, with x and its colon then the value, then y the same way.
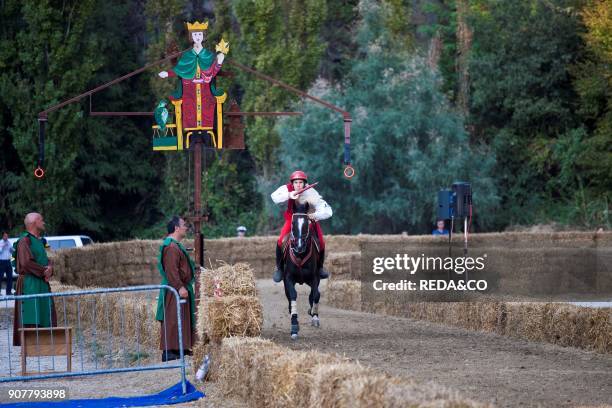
x: 319, y: 209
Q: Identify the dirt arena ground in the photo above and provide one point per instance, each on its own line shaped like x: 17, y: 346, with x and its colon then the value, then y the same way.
x: 486, y: 367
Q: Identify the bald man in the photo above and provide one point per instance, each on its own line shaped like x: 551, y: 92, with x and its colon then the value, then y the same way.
x: 34, y: 271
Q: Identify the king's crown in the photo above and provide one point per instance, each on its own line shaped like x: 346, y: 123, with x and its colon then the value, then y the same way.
x: 197, y: 26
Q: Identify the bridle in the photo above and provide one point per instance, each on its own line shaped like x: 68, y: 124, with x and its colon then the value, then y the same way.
x: 292, y: 252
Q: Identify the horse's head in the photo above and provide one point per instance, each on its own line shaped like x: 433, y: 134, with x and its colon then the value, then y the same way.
x: 299, y: 233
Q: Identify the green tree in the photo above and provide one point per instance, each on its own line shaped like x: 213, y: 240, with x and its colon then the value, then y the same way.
x: 523, y: 102
x: 290, y: 55
x: 592, y: 166
x: 407, y: 141
x: 51, y: 51
x: 338, y: 34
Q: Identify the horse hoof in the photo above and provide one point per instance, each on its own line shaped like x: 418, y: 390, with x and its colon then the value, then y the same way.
x: 315, y: 322
x: 294, y: 336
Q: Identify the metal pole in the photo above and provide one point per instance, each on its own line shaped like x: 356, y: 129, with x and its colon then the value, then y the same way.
x: 197, y: 204
x: 465, y: 243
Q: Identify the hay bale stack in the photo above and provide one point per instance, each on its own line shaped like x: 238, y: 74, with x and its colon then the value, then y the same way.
x: 344, y: 294
x: 562, y: 324
x: 482, y: 316
x: 108, y: 265
x: 264, y: 374
x: 237, y: 312
x: 556, y: 323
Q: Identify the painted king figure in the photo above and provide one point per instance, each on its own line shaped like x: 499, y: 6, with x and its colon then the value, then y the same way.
x: 196, y: 70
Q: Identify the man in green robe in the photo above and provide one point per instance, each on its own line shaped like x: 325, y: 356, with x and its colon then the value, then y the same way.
x: 34, y: 271
x: 176, y: 270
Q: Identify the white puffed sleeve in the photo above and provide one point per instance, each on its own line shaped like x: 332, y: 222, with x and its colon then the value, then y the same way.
x: 280, y: 195
x: 322, y: 210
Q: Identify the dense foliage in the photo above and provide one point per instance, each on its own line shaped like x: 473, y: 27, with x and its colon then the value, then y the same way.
x: 515, y: 97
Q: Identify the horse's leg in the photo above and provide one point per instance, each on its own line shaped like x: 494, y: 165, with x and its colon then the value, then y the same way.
x: 314, y: 296
x: 292, y: 297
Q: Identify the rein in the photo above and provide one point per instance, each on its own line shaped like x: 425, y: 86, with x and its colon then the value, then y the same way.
x: 300, y: 262
x: 297, y: 261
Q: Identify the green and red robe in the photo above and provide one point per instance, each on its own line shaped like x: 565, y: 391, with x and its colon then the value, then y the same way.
x: 198, y: 107
x: 30, y: 262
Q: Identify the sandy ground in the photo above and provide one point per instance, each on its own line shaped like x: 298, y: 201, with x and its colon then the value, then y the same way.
x: 486, y: 367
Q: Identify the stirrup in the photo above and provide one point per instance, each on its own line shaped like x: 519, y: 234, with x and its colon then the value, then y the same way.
x: 323, y: 274
x: 278, y: 276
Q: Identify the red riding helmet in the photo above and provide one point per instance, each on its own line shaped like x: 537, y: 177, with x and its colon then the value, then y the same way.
x: 298, y: 175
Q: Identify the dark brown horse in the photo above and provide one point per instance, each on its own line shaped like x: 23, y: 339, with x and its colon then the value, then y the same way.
x: 302, y: 267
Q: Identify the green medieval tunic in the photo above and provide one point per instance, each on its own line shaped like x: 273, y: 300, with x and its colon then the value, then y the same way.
x: 198, y: 98
x: 30, y: 262
x: 176, y: 270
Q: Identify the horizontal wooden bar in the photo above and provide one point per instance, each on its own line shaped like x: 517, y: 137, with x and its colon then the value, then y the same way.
x: 47, y: 329
x: 226, y: 113
x: 57, y: 349
x: 121, y: 113
x: 263, y: 113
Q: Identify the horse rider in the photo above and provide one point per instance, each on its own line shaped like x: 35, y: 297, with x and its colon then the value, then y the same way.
x: 316, y: 208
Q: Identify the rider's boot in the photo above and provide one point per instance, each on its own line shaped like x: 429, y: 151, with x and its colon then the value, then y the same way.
x: 278, y: 274
x: 323, y: 274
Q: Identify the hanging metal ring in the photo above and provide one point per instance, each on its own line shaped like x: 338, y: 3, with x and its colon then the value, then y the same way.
x: 39, y: 172
x: 349, y: 171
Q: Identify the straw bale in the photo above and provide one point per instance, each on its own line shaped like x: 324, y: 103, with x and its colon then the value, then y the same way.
x: 104, y: 256
x: 78, y: 259
x: 130, y: 252
x: 344, y: 265
x: 233, y: 316
x: 236, y: 363
x: 380, y: 390
x: 342, y: 243
x: 264, y: 374
x: 327, y: 381
x: 233, y: 280
x: 150, y: 250
x: 286, y: 378
x: 563, y: 324
x: 344, y: 294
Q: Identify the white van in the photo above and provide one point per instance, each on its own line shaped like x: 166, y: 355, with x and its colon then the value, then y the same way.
x: 68, y: 241
x: 61, y: 242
